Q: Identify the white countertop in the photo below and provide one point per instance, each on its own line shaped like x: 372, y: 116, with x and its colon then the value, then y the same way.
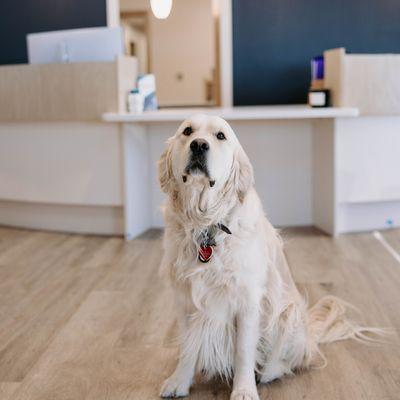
x: 235, y: 113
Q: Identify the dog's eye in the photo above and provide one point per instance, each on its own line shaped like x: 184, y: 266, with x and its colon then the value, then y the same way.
x: 220, y: 136
x: 188, y: 131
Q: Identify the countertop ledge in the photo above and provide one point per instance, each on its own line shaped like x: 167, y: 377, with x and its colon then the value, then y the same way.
x: 235, y: 113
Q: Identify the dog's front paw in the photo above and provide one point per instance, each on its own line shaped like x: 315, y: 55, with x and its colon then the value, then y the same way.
x: 174, y: 387
x: 244, y: 394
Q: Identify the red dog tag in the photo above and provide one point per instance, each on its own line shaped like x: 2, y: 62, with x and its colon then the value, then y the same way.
x: 205, y: 253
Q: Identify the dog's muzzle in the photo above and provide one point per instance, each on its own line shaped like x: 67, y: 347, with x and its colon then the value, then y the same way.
x: 198, y: 160
x: 198, y: 157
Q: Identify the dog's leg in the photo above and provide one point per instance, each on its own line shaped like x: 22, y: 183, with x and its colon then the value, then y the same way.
x: 244, y: 384
x: 178, y: 384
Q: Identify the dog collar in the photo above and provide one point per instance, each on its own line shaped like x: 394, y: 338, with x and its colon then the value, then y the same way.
x: 224, y: 228
x: 206, y: 250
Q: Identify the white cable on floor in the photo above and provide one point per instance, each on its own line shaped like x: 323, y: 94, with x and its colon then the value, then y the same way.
x: 378, y: 236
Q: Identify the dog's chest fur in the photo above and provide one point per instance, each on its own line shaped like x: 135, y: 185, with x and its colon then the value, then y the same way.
x: 214, y: 292
x: 211, y: 303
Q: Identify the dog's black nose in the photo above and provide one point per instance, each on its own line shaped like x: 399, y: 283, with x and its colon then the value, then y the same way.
x: 199, y: 146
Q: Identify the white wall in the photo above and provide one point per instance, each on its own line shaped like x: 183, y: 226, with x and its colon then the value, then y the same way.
x: 181, y: 44
x: 131, y: 34
x: 112, y: 13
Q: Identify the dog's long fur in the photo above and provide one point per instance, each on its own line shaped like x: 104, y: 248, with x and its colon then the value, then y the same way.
x: 241, y: 311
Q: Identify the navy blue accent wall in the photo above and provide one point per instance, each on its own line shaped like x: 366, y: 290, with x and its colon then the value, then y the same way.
x: 19, y: 17
x: 274, y: 40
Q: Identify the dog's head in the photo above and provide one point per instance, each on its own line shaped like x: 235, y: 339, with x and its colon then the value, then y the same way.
x: 205, y: 153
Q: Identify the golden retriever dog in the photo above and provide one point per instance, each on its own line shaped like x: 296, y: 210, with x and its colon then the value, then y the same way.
x: 239, y: 310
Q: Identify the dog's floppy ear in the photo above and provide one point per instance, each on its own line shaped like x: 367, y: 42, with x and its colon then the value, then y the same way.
x: 165, y: 175
x: 244, y: 175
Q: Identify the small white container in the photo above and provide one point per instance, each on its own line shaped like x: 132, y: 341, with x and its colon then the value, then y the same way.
x: 135, y: 102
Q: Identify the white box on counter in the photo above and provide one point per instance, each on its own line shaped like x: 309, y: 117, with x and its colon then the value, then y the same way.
x: 370, y: 82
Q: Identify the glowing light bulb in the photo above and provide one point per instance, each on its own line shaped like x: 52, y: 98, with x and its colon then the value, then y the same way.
x: 161, y: 8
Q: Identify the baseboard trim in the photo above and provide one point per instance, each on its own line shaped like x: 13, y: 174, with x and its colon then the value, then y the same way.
x: 357, y: 217
x: 99, y: 220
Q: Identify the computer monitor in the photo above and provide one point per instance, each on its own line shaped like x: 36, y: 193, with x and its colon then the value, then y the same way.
x: 75, y: 45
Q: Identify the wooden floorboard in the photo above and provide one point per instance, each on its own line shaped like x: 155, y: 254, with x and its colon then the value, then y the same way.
x: 392, y: 236
x: 7, y: 389
x: 89, y: 317
x: 358, y: 269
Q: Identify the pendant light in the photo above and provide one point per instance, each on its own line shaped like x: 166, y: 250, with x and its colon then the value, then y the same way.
x: 161, y: 8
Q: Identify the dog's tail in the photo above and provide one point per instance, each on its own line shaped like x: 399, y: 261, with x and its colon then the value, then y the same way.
x: 328, y: 322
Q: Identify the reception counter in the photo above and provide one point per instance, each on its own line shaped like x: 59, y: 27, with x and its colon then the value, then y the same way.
x: 325, y: 167
x: 60, y: 165
x: 278, y: 140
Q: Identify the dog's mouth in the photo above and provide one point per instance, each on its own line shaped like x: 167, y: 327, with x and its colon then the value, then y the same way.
x: 197, y: 165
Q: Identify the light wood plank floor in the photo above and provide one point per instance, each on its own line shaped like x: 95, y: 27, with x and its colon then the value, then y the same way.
x: 88, y: 318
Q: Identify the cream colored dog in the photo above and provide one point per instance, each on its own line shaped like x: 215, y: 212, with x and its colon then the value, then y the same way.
x: 239, y: 310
